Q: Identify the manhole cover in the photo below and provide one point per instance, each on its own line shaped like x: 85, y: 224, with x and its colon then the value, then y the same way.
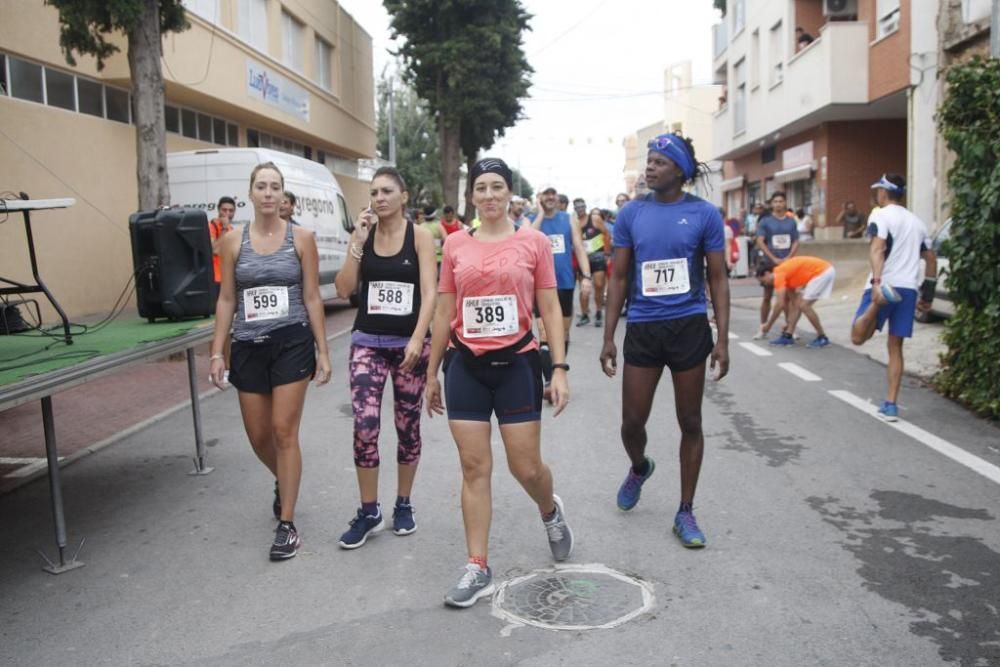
x: 573, y: 597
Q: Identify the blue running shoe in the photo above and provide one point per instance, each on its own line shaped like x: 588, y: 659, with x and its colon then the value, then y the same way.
x: 890, y: 294
x: 818, y: 342
x: 402, y: 519
x: 888, y: 411
x: 686, y: 528
x: 783, y: 339
x: 362, y: 527
x: 631, y: 488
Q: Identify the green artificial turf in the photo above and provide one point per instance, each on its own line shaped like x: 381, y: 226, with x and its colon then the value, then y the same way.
x: 30, y: 353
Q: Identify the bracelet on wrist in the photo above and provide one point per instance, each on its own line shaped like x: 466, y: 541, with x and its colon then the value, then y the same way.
x: 216, y: 356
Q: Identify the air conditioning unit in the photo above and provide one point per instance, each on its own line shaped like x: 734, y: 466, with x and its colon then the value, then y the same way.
x: 840, y: 8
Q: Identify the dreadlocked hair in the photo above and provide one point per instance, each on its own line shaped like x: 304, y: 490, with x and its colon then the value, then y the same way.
x: 702, y: 170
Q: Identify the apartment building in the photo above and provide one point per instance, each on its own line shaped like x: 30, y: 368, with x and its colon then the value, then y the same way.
x: 291, y: 75
x: 822, y: 116
x: 687, y: 108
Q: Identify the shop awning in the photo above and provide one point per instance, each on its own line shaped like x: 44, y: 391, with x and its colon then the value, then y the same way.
x: 800, y: 173
x: 732, y: 184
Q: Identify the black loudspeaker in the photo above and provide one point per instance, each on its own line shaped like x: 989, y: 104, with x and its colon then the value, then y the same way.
x: 172, y: 259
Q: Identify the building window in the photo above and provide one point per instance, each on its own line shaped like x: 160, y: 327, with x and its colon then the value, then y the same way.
x: 219, y: 131
x: 233, y: 134
x: 253, y: 139
x: 776, y: 55
x: 292, y: 33
x: 975, y: 10
x: 116, y: 104
x: 755, y: 59
x: 26, y: 80
x: 3, y: 74
x: 740, y: 97
x: 189, y: 123
x: 252, y: 23
x: 739, y: 16
x: 204, y: 127
x: 59, y: 89
x: 768, y: 154
x: 324, y: 64
x: 90, y: 97
x: 172, y: 119
x: 887, y: 17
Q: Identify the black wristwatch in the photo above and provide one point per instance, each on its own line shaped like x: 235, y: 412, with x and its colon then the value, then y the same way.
x: 565, y: 367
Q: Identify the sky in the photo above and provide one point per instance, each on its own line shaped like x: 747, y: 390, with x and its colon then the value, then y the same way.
x: 598, y: 77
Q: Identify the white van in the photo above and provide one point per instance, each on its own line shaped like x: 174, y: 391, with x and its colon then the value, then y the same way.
x: 199, y: 178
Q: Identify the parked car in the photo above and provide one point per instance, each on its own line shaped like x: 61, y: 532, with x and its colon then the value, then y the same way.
x: 943, y: 306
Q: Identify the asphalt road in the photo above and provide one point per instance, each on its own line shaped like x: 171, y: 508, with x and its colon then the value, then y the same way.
x: 834, y: 539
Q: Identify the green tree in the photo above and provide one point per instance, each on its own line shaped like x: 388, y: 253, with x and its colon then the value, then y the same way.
x: 84, y: 26
x: 464, y: 57
x: 970, y: 123
x: 522, y: 187
x: 418, y: 156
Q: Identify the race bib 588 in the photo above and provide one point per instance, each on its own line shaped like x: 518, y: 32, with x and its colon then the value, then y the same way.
x: 558, y: 242
x: 387, y: 297
x: 781, y: 241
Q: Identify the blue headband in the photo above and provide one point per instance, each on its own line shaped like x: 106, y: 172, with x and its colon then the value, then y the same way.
x: 672, y: 147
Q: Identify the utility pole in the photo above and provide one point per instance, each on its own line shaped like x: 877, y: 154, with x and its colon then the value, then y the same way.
x: 995, y: 30
x: 392, y: 125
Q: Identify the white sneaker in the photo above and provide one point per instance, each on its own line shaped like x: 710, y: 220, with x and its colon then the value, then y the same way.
x: 760, y: 335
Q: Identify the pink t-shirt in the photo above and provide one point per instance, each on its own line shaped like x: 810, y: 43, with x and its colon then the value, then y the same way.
x: 494, y: 286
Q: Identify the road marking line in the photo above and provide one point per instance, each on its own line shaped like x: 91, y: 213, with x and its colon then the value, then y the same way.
x: 799, y: 372
x: 756, y: 349
x: 941, y: 446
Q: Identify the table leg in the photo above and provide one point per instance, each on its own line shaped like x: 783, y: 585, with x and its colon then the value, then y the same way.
x: 55, y: 489
x: 199, y: 460
x: 38, y: 279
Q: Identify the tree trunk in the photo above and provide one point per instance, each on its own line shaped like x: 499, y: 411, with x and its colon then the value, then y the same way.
x: 470, y: 209
x: 450, y: 160
x: 144, y: 49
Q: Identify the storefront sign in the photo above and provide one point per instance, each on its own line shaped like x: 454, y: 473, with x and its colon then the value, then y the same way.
x: 271, y: 88
x: 797, y: 155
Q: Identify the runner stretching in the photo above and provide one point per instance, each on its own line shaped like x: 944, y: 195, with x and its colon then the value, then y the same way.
x: 664, y: 240
x: 489, y: 279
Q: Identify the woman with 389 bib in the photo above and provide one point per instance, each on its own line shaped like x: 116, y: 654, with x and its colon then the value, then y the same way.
x: 490, y: 277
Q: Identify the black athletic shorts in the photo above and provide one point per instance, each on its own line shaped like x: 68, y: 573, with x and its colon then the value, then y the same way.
x: 284, y: 356
x: 565, y: 302
x: 598, y: 263
x: 513, y: 392
x: 679, y: 344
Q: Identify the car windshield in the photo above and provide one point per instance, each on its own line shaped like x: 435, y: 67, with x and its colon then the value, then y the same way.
x: 942, y: 235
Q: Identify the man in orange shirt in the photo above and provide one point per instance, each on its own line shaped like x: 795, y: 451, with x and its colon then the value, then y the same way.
x: 217, y: 228
x: 814, y: 277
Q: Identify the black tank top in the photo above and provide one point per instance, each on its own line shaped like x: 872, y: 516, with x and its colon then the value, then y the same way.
x: 386, y: 287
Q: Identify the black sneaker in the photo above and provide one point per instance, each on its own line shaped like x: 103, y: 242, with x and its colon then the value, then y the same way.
x: 584, y: 320
x: 276, y: 505
x: 402, y: 519
x: 598, y: 319
x: 286, y: 541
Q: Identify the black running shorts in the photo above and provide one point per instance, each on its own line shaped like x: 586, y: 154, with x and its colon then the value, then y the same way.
x: 679, y: 344
x: 284, y: 356
x: 565, y: 302
x: 513, y: 392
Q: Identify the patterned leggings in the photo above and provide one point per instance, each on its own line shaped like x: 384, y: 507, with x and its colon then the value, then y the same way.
x: 370, y: 366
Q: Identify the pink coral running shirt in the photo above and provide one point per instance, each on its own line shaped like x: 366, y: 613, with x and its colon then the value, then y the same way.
x: 487, y: 278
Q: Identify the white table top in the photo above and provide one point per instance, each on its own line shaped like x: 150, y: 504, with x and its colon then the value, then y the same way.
x: 34, y: 204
